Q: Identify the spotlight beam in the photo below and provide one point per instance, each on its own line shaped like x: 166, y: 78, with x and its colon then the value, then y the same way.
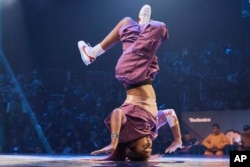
x: 25, y: 104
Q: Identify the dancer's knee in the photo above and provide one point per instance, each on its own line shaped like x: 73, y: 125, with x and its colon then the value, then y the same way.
x: 126, y: 20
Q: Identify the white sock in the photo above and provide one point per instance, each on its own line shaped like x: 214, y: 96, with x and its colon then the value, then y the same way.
x: 96, y: 51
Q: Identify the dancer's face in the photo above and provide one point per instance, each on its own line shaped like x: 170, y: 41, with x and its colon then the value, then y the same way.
x: 144, y: 145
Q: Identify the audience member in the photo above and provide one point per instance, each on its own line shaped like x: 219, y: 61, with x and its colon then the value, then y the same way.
x: 190, y: 144
x: 245, y: 139
x: 234, y: 140
x: 215, y: 142
x: 233, y: 137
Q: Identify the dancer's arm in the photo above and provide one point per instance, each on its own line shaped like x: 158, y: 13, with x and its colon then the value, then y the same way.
x: 175, y: 128
x: 177, y: 143
x: 116, y: 121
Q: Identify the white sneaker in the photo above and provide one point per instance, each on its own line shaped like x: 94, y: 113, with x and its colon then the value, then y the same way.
x: 144, y: 14
x: 85, y: 53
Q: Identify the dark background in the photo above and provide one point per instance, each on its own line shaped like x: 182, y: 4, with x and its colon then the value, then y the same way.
x: 44, y: 34
x: 39, y: 41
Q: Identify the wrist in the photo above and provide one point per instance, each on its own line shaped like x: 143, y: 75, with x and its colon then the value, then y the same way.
x: 114, y: 136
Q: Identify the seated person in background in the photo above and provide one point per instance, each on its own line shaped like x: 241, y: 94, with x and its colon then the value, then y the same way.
x: 233, y: 137
x: 245, y: 139
x: 234, y: 140
x: 189, y: 144
x: 215, y: 142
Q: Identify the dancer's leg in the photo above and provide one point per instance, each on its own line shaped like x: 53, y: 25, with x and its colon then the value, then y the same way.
x: 89, y: 53
x: 113, y: 37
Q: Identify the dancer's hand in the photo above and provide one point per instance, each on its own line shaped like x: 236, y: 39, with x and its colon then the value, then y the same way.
x: 155, y: 156
x: 108, y: 149
x: 174, y: 146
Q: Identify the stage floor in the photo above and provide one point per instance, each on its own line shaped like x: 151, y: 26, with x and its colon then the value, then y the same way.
x: 89, y: 161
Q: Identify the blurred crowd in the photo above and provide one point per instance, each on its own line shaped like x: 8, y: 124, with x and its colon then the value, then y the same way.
x: 70, y: 107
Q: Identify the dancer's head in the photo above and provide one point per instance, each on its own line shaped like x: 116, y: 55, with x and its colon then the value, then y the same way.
x: 137, y: 150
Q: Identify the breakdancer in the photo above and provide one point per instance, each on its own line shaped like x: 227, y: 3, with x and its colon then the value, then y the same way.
x: 135, y: 123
